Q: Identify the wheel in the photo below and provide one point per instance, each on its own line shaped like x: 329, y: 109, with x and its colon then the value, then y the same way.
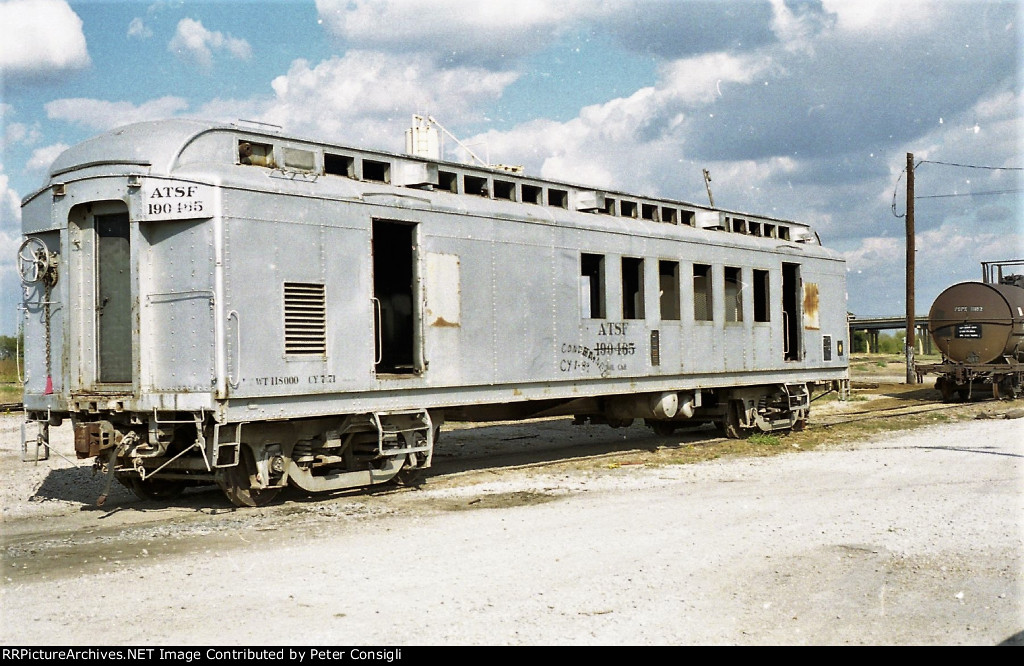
x: 662, y: 428
x: 155, y: 489
x: 946, y: 388
x: 237, y: 482
x: 731, y: 426
x: 411, y: 473
x: 408, y: 477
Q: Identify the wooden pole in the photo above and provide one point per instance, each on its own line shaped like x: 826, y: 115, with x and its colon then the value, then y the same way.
x: 911, y: 250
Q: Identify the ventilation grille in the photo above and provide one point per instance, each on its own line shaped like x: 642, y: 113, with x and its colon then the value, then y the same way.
x: 305, y: 318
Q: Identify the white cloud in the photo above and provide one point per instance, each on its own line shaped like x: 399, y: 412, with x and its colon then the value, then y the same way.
x: 192, y: 41
x: 101, y: 115
x: 138, y: 29
x: 43, y: 157
x: 40, y: 38
x: 10, y: 208
x: 881, y: 16
x: 703, y: 79
x: 454, y: 28
x: 359, y: 96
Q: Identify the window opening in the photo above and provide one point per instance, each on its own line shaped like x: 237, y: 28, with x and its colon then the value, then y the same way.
x: 256, y: 154
x: 339, y: 165
x: 628, y: 208
x: 688, y: 217
x: 632, y: 288
x: 592, y: 286
x: 476, y: 185
x: 377, y: 171
x: 762, y: 296
x: 702, y: 292
x: 558, y: 198
x: 609, y: 206
x: 504, y: 189
x: 532, y: 194
x: 649, y: 212
x: 668, y: 287
x: 448, y: 181
x: 669, y: 215
x: 739, y: 226
x: 733, y: 294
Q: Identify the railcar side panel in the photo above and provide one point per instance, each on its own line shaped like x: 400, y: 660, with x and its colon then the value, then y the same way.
x: 177, y: 306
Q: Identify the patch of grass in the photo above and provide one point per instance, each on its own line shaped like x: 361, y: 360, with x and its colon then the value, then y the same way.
x: 763, y: 439
x: 10, y: 387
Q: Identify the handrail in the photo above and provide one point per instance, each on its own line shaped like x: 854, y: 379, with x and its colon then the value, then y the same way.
x: 377, y: 316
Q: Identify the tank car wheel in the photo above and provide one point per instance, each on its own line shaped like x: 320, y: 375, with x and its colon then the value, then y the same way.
x: 237, y: 482
x: 155, y: 489
x: 946, y: 388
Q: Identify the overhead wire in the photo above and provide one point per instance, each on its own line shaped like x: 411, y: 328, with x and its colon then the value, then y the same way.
x: 895, y: 190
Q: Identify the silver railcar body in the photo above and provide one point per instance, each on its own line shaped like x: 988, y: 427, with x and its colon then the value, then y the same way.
x: 216, y: 303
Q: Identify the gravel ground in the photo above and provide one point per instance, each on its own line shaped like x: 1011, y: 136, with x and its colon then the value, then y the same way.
x: 911, y: 538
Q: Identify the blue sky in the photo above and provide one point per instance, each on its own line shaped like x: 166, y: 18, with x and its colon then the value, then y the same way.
x: 803, y: 109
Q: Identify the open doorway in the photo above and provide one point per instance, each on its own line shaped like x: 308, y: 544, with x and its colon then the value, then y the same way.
x: 396, y: 311
x: 791, y: 316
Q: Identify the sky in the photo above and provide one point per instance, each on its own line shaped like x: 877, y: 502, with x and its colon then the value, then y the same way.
x: 800, y: 109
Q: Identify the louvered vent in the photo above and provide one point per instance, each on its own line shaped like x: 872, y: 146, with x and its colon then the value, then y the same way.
x: 305, y: 318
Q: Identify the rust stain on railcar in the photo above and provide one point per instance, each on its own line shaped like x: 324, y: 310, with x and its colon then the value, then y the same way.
x: 811, y: 306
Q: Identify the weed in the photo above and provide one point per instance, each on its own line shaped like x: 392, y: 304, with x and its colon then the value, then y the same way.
x: 761, y: 439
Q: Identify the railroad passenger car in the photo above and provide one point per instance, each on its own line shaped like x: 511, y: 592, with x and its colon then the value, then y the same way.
x: 228, y: 304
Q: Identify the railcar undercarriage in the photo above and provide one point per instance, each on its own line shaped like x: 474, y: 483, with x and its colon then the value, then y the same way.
x: 161, y: 454
x: 1002, y: 381
x: 157, y: 458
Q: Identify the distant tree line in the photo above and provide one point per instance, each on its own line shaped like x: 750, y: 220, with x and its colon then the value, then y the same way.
x: 887, y: 343
x: 10, y: 346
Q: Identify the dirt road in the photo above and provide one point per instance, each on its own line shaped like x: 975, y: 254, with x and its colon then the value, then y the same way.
x: 904, y: 538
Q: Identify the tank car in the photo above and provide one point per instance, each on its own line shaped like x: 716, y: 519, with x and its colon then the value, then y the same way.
x: 225, y: 304
x: 979, y: 329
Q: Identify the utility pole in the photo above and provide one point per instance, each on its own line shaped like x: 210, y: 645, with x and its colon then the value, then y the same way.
x: 911, y: 250
x: 707, y: 184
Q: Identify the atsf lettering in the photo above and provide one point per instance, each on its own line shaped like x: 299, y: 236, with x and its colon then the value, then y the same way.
x: 174, y: 192
x: 613, y: 328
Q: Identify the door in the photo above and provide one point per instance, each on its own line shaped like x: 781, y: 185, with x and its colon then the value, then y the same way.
x: 113, y: 299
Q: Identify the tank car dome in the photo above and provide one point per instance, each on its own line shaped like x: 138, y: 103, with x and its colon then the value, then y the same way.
x: 976, y: 322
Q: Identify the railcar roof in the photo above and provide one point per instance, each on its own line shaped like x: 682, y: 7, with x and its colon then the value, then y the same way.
x: 156, y: 146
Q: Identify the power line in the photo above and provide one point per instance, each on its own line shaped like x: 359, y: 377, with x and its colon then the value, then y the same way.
x: 971, y: 194
x: 968, y: 166
x: 943, y: 196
